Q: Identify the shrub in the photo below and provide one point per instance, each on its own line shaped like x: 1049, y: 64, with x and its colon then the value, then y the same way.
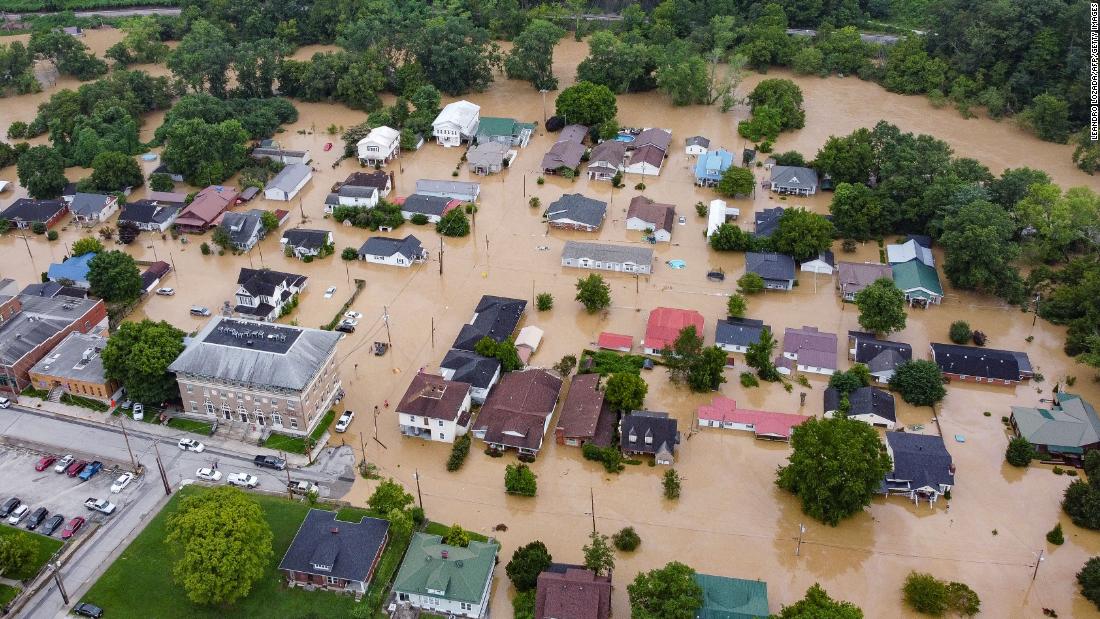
x: 1054, y: 536
x: 626, y: 539
x: 610, y: 457
x: 750, y: 283
x: 534, y: 202
x: 350, y: 253
x: 960, y: 332
x: 848, y: 246
x: 924, y: 593
x: 1089, y: 579
x: 51, y: 235
x: 520, y: 479
x: 17, y: 130
x: 1058, y: 470
x: 640, y: 187
x: 456, y: 536
x: 459, y: 451
x: 38, y: 227
x: 1019, y: 452
x: 205, y: 249
x: 616, y: 181
x: 700, y: 209
x: 540, y: 181
x: 749, y: 380
x: 545, y: 301
x: 671, y: 484
x: 419, y: 219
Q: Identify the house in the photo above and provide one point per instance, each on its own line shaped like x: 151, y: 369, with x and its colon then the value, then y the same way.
x: 262, y: 293
x: 777, y: 270
x: 456, y: 190
x: 506, y: 131
x: 870, y: 405
x: 283, y: 156
x: 248, y: 194
x: 517, y: 413
x: 573, y: 133
x: 649, y: 433
x: 302, y: 242
x: 696, y: 145
x: 766, y: 222
x: 646, y: 215
x: 259, y: 374
x: 446, y: 580
x: 72, y: 272
x: 910, y: 250
x: 163, y: 169
x: 89, y: 209
x: 382, y: 181
x: 32, y: 325
x: 880, y: 356
x: 527, y: 342
x: 604, y: 257
x: 734, y: 334
x: 731, y: 598
x: 793, y: 180
x: 393, y: 252
x: 50, y: 290
x: 982, y: 365
x: 646, y: 160
x: 244, y: 229
x: 456, y: 123
x: 615, y: 341
x: 206, y: 210
x: 488, y: 158
x: 572, y: 592
x: 25, y: 212
x: 379, y: 146
x: 288, y: 182
x: 922, y: 466
x: 855, y: 276
x: 919, y: 282
x: 813, y: 351
x: 657, y: 138
x: 723, y: 412
x: 709, y: 167
x: 434, y: 408
x: 1067, y: 429
x: 335, y: 555
x: 574, y: 211
x: 151, y: 276
x: 665, y: 325
x: 564, y: 154
x: 432, y: 207
x: 584, y: 417
x: 150, y: 215
x: 718, y: 213
x: 175, y: 198
x: 822, y: 265
x: 75, y: 367
x: 606, y: 160
x: 355, y: 196
x: 464, y: 366
x: 494, y: 317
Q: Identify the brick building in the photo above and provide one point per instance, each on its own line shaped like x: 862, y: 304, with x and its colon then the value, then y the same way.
x: 31, y: 326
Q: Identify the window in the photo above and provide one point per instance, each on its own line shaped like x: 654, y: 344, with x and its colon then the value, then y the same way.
x: 466, y: 606
x: 260, y: 418
x: 440, y: 423
x: 188, y: 388
x: 294, y: 423
x: 227, y: 414
x: 413, y: 418
x: 194, y: 406
x: 276, y: 420
x: 332, y: 580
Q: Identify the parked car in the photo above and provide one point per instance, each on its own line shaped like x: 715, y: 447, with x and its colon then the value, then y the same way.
x: 344, y: 421
x: 73, y: 526
x: 242, y: 479
x: 345, y: 328
x: 63, y: 463
x: 165, y: 292
x: 44, y: 463
x: 51, y: 525
x: 270, y: 462
x: 126, y: 404
x: 76, y: 467
x: 331, y: 290
x: 188, y: 444
x: 99, y: 505
x: 85, y: 609
x: 301, y: 487
x: 350, y: 321
x: 18, y: 514
x: 198, y: 310
x: 90, y: 470
x: 208, y: 474
x: 36, y: 518
x: 9, y: 506
x: 5, y: 402
x: 353, y: 315
x: 121, y: 483
x: 139, y: 411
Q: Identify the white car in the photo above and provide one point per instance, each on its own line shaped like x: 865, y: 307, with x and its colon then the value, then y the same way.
x: 242, y: 479
x: 18, y: 514
x: 351, y: 322
x: 353, y: 315
x: 331, y: 290
x: 683, y: 220
x: 122, y: 481
x: 138, y: 411
x: 188, y: 444
x: 166, y: 292
x: 344, y: 421
x: 208, y: 474
x: 64, y: 463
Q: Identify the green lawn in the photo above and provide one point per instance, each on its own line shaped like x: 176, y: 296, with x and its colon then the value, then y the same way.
x: 190, y: 425
x: 438, y: 528
x: 139, y: 584
x: 44, y: 548
x: 75, y: 400
x: 7, y: 594
x: 297, y: 444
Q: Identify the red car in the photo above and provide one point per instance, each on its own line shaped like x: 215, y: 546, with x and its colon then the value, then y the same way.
x: 44, y: 463
x: 76, y: 467
x: 71, y: 528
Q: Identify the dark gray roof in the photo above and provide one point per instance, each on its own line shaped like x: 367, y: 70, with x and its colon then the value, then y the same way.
x: 920, y: 239
x: 428, y: 205
x: 879, y: 355
x: 348, y: 548
x: 738, y: 331
x: 697, y: 140
x: 826, y: 257
x: 563, y: 154
x: 77, y: 357
x: 770, y: 265
x: 148, y: 212
x: 40, y: 319
x: 767, y: 221
x: 793, y: 177
x: 306, y: 238
x: 470, y: 367
x: 409, y: 247
x: 921, y: 459
x: 379, y: 179
x: 495, y: 317
x: 27, y: 209
x: 642, y: 423
x: 88, y: 203
x: 863, y: 401
x: 242, y: 227
x: 262, y: 282
x: 577, y: 207
x: 983, y: 362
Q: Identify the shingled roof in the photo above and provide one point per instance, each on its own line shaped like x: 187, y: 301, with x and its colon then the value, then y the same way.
x: 434, y: 397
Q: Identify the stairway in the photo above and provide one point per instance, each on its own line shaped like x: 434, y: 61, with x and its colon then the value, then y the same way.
x: 55, y: 394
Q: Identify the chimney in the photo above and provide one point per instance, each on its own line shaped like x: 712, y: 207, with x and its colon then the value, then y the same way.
x: 443, y: 554
x: 334, y: 530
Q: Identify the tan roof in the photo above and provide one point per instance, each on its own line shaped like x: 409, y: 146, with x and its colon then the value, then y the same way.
x: 660, y: 215
x: 581, y: 410
x: 516, y: 410
x: 649, y: 154
x: 434, y: 397
x: 855, y: 276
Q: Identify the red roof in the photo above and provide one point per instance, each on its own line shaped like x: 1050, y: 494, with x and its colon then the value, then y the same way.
x: 764, y: 423
x: 615, y: 341
x: 665, y: 324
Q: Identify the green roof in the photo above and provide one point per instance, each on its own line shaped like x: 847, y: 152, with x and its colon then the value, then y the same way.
x: 491, y: 125
x: 917, y: 279
x: 461, y: 576
x: 731, y: 598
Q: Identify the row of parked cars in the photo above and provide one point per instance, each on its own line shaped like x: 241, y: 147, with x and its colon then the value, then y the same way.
x: 15, y: 511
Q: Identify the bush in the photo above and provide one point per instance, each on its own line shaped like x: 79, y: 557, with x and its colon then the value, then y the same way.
x: 17, y: 130
x: 38, y: 227
x: 350, y: 253
x: 1058, y: 470
x: 534, y: 202
x: 51, y: 235
x: 545, y: 301
x: 1019, y: 452
x: 527, y: 563
x: 456, y: 536
x: 931, y: 596
x: 848, y: 246
x: 459, y: 451
x: 750, y: 283
x: 1054, y: 536
x: 640, y: 187
x: 520, y: 479
x: 611, y: 458
x: 700, y: 209
x: 626, y: 539
x: 960, y: 332
x: 671, y: 484
x: 749, y: 380
x: 419, y: 219
x: 205, y: 249
x: 540, y: 181
x: 1089, y: 579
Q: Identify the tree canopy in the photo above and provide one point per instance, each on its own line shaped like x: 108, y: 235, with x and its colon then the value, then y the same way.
x: 668, y: 592
x: 42, y: 171
x: 587, y: 104
x: 625, y: 391
x: 818, y: 605
x: 527, y: 563
x: 593, y: 293
x: 802, y: 234
x: 114, y: 276
x: 113, y: 171
x: 532, y: 55
x: 881, y: 307
x: 919, y: 382
x: 138, y: 354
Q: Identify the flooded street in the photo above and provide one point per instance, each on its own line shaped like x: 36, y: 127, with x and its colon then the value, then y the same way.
x: 731, y: 519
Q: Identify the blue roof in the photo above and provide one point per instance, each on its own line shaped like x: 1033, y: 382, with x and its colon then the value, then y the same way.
x: 712, y: 164
x: 75, y: 268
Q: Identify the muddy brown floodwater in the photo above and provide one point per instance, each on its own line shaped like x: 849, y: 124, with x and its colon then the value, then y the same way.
x: 731, y: 519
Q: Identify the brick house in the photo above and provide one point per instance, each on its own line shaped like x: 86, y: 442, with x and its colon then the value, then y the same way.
x: 333, y: 554
x: 31, y: 326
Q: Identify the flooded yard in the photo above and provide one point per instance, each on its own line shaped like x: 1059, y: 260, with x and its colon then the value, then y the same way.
x: 731, y: 519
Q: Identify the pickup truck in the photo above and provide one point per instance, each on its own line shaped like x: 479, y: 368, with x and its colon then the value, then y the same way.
x: 99, y: 505
x: 270, y: 462
x: 301, y: 487
x: 242, y: 479
x: 90, y: 470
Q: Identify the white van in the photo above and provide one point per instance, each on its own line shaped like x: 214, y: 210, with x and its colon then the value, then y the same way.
x: 5, y: 402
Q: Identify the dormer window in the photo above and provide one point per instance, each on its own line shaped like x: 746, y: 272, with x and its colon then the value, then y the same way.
x: 322, y: 568
x: 633, y: 437
x: 648, y: 439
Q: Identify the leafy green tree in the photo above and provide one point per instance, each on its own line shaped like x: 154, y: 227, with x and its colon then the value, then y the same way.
x: 621, y: 66
x: 682, y: 75
x: 858, y: 213
x: 736, y: 306
x: 844, y: 51
x: 587, y: 104
x: 87, y: 245
x: 782, y: 95
x: 221, y: 238
x: 835, y: 467
x: 625, y: 391
x: 1086, y: 152
x: 457, y: 56
x: 565, y: 366
x: 808, y: 61
x: 910, y: 70
x: 15, y: 553
x: 520, y: 479
x: 706, y: 372
x: 505, y: 352
x: 669, y: 592
x: 456, y: 536
x: 626, y: 540
x: 527, y: 563
x: 113, y: 172
x: 1055, y: 536
x: 671, y: 484
x: 750, y: 283
x: 113, y: 276
x: 759, y: 356
x: 818, y: 605
x: 1089, y: 579
x: 979, y: 247
x: 924, y: 593
x: 161, y: 182
x: 544, y: 301
x: 1013, y: 185
x: 454, y: 223
x: 881, y: 307
x: 269, y: 221
x: 459, y: 450
x: 42, y: 171
x: 138, y: 355
x: 682, y: 353
x: 847, y: 159
x: 1058, y: 223
x: 223, y: 543
x: 256, y: 64
x: 736, y: 181
x: 598, y: 555
x: 728, y: 237
x: 532, y: 55
x: 205, y: 153
x: 388, y: 496
x: 1048, y: 117
x: 802, y: 234
x: 765, y: 125
x: 959, y: 332
x: 919, y: 382
x: 202, y: 59
x: 1019, y: 452
x: 70, y: 56
x: 847, y: 382
x: 1081, y: 503
x: 401, y: 524
x: 593, y: 293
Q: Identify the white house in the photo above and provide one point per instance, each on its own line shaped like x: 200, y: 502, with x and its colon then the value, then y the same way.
x: 456, y: 190
x: 444, y: 580
x: 288, y: 182
x: 380, y: 146
x: 303, y: 242
x: 646, y: 215
x: 822, y: 265
x: 718, y: 213
x: 357, y: 195
x: 646, y: 161
x: 696, y: 145
x: 393, y: 252
x: 457, y: 123
x: 89, y: 209
x: 435, y: 409
x: 262, y: 293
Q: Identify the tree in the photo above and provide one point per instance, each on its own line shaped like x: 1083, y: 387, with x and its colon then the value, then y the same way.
x: 523, y: 605
x: 750, y: 283
x: 221, y: 238
x: 532, y: 56
x: 505, y: 352
x: 790, y: 158
x: 881, y: 307
x: 682, y: 353
x: 87, y: 245
x: 924, y: 593
x: 1057, y: 223
x: 527, y: 563
x: 587, y: 104
x: 453, y: 223
x: 729, y: 237
x: 919, y: 382
x: 202, y: 58
x: 671, y: 484
x: 223, y: 543
x: 736, y: 305
x: 544, y: 301
x: 113, y: 171
x: 625, y: 391
x: 706, y: 370
x: 205, y: 153
x: 847, y: 159
x: 15, y: 552
x: 113, y: 276
x: 593, y: 293
x: 1089, y: 579
x: 621, y: 66
x: 161, y: 182
x: 858, y: 213
x: 847, y: 382
x: 565, y: 366
x: 1055, y: 536
x: 782, y: 95
x: 736, y: 181
x: 669, y: 592
x: 626, y: 540
x: 1048, y: 117
x: 457, y: 56
x: 401, y: 524
x: 42, y: 171
x: 1086, y: 152
x: 1019, y: 452
x: 835, y: 467
x: 959, y: 332
x: 456, y: 536
x: 269, y: 220
x: 683, y: 75
x: 138, y: 354
x: 802, y: 234
x: 759, y: 356
x: 388, y: 496
x: 598, y: 555
x: 1081, y: 503
x: 979, y: 247
x: 520, y: 479
x: 69, y: 55
x: 1013, y: 185
x: 459, y: 450
x: 818, y: 605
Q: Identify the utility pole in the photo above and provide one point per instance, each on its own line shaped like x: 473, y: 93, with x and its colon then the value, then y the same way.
x: 486, y: 248
x: 28, y: 244
x: 386, y: 319
x: 441, y: 256
x: 420, y: 497
x: 125, y: 437
x: 801, y: 530
x: 543, y: 93
x: 363, y: 447
x: 260, y: 249
x: 347, y: 270
x: 1040, y: 560
x: 301, y: 209
x: 433, y: 332
x: 163, y: 475
x: 1035, y: 317
x: 592, y: 499
x: 60, y: 584
x: 289, y: 493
